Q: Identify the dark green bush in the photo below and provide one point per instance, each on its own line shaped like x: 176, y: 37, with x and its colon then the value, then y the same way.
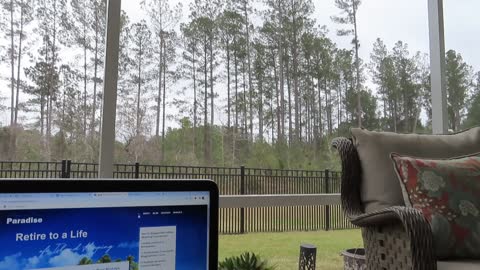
x: 246, y: 261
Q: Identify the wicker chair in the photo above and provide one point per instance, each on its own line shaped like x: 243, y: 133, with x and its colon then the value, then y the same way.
x: 394, y: 238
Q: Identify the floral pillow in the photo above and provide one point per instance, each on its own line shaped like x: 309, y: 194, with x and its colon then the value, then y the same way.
x: 448, y: 194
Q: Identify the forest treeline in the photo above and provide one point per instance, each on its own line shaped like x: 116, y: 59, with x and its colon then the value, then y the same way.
x: 259, y: 83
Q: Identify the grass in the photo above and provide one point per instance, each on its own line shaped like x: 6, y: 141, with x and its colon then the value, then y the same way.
x: 282, y: 249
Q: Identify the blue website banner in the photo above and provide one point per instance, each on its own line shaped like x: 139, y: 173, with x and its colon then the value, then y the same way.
x: 163, y: 237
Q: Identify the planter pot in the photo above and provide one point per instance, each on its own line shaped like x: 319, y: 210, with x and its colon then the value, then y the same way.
x: 354, y: 259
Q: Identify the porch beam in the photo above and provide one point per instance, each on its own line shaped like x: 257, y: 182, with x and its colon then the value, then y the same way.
x: 107, y: 140
x: 437, y: 67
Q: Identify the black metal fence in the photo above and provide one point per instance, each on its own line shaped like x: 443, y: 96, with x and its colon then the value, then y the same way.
x: 231, y: 181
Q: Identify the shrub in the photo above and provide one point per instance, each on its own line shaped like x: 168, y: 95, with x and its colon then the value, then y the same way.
x: 246, y: 261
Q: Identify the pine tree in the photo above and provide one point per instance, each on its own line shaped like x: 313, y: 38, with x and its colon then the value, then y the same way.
x: 44, y: 78
x: 260, y: 69
x: 98, y: 28
x: 26, y: 10
x: 298, y: 22
x: 244, y: 8
x: 229, y: 24
x: 473, y: 116
x: 274, y: 26
x: 69, y: 103
x: 458, y: 75
x: 53, y: 28
x: 82, y: 37
x: 268, y: 40
x: 163, y: 20
x: 20, y: 15
x: 407, y: 92
x: 205, y: 14
x: 349, y: 17
x: 190, y: 57
x: 141, y: 50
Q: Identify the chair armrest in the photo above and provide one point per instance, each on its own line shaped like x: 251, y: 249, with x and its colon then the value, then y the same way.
x: 396, y: 237
x: 416, y: 230
x: 351, y: 176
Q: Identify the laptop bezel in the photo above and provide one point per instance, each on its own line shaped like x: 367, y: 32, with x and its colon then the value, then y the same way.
x: 126, y: 185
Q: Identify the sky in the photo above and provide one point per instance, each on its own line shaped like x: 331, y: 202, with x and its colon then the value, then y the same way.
x: 391, y: 20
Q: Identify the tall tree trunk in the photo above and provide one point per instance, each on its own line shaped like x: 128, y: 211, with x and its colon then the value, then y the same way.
x: 205, y: 104
x: 164, y: 100
x: 95, y: 75
x: 313, y: 105
x: 42, y: 115
x: 385, y: 116
x: 260, y: 108
x: 328, y: 106
x: 12, y: 63
x: 395, y: 115
x: 19, y: 61
x: 161, y: 55
x: 229, y: 101
x: 415, y: 121
x: 159, y: 95
x: 194, y: 99
x: 307, y: 122
x: 228, y: 87
x: 245, y: 117
x: 294, y: 50
x: 62, y: 125
x: 236, y: 89
x: 281, y: 53
x: 250, y: 84
x: 278, y: 104
x: 85, y: 113
x: 282, y: 107
x: 320, y: 124
x: 235, y: 129
x: 51, y: 91
x: 47, y: 115
x: 50, y: 118
x: 212, y: 96
x: 290, y: 122
x: 458, y: 119
x: 338, y: 98
x: 357, y: 66
x: 43, y: 96
x: 272, y: 114
x: 139, y: 89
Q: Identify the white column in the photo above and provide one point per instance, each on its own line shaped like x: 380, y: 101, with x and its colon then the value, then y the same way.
x: 437, y: 67
x: 107, y: 142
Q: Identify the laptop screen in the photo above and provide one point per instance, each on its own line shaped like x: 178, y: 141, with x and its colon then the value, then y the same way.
x: 104, y: 231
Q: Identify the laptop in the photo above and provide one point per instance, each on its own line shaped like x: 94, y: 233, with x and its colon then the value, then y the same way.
x: 108, y: 225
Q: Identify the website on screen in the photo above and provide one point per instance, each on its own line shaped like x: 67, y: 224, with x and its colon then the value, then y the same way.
x: 104, y: 231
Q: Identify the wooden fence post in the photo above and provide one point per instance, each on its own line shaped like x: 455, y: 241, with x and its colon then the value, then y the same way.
x: 137, y: 170
x: 66, y: 167
x: 327, y: 207
x: 242, y: 192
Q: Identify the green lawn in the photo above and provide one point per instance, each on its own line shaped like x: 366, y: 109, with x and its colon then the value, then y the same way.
x: 282, y: 249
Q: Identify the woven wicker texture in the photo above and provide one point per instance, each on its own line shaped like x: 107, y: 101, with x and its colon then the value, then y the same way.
x: 395, y: 237
x: 354, y: 259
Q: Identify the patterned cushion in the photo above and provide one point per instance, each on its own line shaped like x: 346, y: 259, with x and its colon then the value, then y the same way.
x: 448, y: 194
